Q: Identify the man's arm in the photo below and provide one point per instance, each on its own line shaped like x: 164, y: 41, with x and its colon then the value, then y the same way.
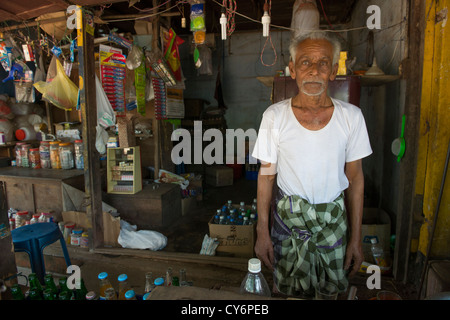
x: 355, y: 203
x: 263, y: 246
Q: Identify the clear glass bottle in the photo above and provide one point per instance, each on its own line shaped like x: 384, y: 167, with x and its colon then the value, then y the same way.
x: 242, y: 207
x: 254, y: 281
x: 110, y: 294
x: 103, y: 284
x: 169, y: 275
x: 18, y: 153
x: 123, y: 286
x: 149, y: 284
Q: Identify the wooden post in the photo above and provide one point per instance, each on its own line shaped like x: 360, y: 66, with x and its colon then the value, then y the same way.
x: 92, y: 177
x: 155, y: 123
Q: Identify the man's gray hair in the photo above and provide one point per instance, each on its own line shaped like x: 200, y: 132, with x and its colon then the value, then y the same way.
x: 316, y: 35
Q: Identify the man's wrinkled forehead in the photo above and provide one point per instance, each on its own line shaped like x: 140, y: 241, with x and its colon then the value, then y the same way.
x: 319, y: 48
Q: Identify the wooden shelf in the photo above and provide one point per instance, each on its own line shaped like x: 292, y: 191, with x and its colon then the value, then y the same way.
x: 374, y: 81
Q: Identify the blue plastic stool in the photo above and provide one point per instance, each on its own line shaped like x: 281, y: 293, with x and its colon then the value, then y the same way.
x: 33, y: 238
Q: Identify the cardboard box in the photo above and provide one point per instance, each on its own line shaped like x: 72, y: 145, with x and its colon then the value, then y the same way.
x: 376, y: 224
x: 111, y: 225
x: 187, y: 205
x: 236, y: 240
x: 219, y: 176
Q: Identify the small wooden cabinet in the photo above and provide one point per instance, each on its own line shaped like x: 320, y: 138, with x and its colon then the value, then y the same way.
x: 124, y: 170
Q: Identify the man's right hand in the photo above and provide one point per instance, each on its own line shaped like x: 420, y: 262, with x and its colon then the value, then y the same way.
x: 264, y: 250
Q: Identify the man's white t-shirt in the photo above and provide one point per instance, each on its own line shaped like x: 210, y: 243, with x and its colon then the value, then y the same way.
x: 309, y: 163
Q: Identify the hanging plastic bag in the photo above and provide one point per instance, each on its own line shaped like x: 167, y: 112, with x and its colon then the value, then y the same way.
x: 305, y: 17
x: 105, y: 113
x: 60, y: 91
x: 171, y: 54
x: 206, y: 59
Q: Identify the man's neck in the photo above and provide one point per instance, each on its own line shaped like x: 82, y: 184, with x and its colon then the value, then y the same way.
x: 311, y: 102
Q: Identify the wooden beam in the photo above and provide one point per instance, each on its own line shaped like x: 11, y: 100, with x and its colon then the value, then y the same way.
x: 92, y: 177
x: 408, y: 168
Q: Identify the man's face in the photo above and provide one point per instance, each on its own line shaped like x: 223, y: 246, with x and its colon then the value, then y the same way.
x: 313, y: 66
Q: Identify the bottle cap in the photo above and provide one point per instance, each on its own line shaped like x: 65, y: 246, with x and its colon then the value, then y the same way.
x: 129, y: 294
x: 254, y: 265
x: 122, y: 277
x: 159, y: 281
x: 102, y: 275
x: 146, y: 296
x: 20, y: 134
x: 374, y: 240
x: 242, y: 203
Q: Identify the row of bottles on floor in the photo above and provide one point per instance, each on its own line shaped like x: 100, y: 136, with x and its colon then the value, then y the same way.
x: 49, y: 291
x: 231, y: 215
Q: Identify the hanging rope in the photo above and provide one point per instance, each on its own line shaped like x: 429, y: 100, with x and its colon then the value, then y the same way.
x: 269, y: 38
x: 230, y: 12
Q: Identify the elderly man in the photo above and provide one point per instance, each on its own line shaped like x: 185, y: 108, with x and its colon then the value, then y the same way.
x: 313, y: 146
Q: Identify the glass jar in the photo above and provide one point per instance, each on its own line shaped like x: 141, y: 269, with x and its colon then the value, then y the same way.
x: 21, y: 217
x: 24, y: 152
x: 34, y: 157
x: 35, y: 219
x: 54, y: 155
x: 68, y: 227
x: 79, y: 159
x: 84, y: 241
x: 44, y: 154
x: 66, y: 155
x: 75, y: 237
x: 17, y: 151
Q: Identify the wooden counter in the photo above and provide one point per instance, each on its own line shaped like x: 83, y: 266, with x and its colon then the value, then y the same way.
x: 38, y: 190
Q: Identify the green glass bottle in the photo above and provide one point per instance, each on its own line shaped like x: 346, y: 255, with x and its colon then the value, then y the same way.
x: 65, y: 295
x: 73, y: 295
x: 17, y: 293
x: 34, y: 294
x: 81, y: 293
x: 50, y: 284
x: 49, y: 294
x: 35, y: 284
x: 63, y: 285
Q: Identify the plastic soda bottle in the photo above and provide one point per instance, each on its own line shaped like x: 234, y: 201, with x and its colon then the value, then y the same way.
x: 104, y: 284
x: 254, y: 282
x: 123, y: 286
x: 378, y: 253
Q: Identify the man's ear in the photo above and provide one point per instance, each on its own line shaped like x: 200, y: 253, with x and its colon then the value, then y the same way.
x: 334, y: 72
x: 291, y: 69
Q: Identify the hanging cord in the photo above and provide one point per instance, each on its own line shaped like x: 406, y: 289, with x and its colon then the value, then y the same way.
x: 230, y: 12
x: 269, y: 38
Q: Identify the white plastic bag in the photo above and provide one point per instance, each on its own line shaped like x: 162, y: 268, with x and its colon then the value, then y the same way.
x: 305, y: 17
x: 105, y: 113
x: 141, y: 239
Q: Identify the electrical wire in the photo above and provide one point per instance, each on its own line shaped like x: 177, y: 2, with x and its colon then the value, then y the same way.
x: 269, y: 38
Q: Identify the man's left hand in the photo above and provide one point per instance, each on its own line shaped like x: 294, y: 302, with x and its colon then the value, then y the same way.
x: 354, y: 253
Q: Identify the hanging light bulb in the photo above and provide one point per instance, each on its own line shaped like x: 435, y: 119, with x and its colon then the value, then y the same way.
x: 266, y: 20
x: 223, y: 25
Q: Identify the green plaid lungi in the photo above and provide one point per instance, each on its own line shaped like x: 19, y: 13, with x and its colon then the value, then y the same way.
x: 309, y: 244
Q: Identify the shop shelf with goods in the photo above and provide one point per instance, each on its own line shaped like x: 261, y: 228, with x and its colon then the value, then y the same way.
x: 124, y: 174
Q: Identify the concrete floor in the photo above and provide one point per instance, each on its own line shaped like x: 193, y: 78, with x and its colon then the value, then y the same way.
x: 184, y: 243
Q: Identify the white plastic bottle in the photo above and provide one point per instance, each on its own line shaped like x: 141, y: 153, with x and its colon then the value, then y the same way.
x: 378, y: 253
x: 254, y: 282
